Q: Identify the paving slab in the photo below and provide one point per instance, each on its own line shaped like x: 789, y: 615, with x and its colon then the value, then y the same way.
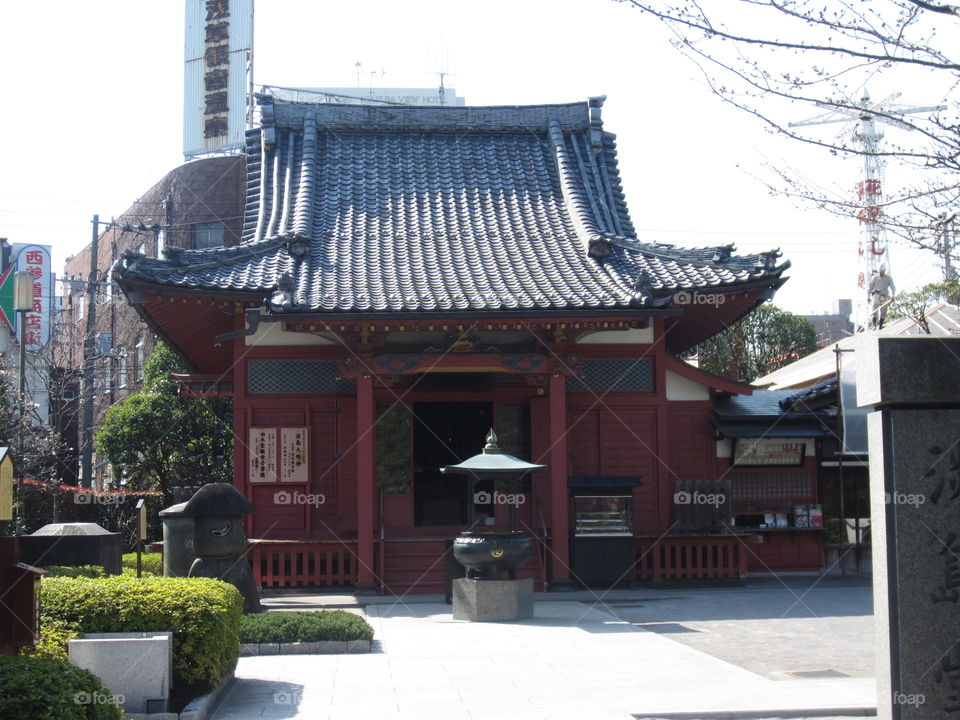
x: 571, y: 660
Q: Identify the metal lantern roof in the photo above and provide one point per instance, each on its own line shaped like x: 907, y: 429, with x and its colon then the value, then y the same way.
x: 493, y: 461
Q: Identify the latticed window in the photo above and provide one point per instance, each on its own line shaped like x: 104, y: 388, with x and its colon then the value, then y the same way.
x: 606, y: 374
x: 295, y: 376
x: 208, y: 234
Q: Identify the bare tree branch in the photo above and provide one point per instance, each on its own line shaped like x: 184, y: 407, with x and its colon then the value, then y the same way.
x: 768, y: 57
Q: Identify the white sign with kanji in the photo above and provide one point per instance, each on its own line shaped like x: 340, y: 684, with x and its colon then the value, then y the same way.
x: 35, y: 259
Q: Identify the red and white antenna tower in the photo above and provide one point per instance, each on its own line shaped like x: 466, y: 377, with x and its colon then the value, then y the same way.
x: 867, y: 134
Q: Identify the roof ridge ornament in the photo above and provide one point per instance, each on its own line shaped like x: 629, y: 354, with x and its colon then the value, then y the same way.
x: 492, y: 447
x: 173, y: 252
x: 297, y: 244
x: 722, y: 253
x: 595, y: 105
x: 282, y: 299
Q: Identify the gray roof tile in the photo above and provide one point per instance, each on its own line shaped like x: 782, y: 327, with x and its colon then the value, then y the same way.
x: 469, y: 208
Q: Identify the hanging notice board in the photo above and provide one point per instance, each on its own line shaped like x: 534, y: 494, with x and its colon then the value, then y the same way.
x: 761, y: 452
x: 263, y: 454
x: 293, y: 455
x: 279, y: 454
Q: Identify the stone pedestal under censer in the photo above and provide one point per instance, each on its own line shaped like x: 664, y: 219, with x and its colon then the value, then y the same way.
x: 483, y: 596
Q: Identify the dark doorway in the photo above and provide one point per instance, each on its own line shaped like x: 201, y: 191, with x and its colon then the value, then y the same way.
x: 444, y: 434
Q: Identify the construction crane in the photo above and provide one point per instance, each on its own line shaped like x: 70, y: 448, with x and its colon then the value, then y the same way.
x: 867, y: 134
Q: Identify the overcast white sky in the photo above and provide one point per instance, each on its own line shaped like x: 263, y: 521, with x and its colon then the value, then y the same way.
x: 92, y: 114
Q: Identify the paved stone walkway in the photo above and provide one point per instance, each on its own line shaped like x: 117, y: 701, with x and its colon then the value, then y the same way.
x: 571, y: 661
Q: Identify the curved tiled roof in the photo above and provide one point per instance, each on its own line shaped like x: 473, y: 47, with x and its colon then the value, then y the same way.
x: 363, y: 208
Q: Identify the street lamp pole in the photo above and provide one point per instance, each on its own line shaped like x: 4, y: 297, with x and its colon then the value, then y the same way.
x: 89, y: 340
x: 22, y: 304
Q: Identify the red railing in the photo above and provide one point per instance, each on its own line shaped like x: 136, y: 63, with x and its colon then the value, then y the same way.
x: 330, y: 564
x: 692, y: 557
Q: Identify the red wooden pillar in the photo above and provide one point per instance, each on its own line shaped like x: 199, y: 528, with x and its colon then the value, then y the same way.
x: 664, y: 476
x: 559, y: 501
x: 365, y: 492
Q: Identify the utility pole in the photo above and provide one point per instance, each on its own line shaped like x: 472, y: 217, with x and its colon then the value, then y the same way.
x: 87, y: 395
x: 945, y: 243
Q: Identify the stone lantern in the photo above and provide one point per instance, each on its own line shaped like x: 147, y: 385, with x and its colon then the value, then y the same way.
x: 483, y: 595
x: 205, y: 537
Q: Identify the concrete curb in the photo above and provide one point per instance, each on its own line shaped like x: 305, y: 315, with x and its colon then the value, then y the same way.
x: 761, y: 714
x: 197, y: 709
x: 321, y: 647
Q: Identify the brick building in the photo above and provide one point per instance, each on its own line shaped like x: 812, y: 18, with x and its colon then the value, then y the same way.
x: 197, y: 205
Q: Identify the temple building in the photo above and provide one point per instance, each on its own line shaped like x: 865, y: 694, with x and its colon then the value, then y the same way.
x: 408, y: 278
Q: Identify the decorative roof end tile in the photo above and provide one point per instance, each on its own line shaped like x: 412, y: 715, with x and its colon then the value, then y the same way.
x: 599, y: 247
x: 282, y: 299
x: 297, y: 245
x: 723, y: 253
x: 596, y: 124
x: 173, y: 252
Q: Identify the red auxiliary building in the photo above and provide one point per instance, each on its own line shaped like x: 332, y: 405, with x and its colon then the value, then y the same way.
x: 410, y: 277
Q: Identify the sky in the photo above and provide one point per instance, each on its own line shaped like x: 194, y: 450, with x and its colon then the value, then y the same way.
x: 93, y: 96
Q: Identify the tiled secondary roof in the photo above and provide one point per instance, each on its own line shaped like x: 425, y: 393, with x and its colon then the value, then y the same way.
x: 761, y: 404
x: 363, y: 208
x: 770, y: 413
x: 820, y: 395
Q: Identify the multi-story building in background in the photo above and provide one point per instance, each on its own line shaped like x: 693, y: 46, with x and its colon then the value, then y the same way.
x: 197, y: 205
x: 835, y: 325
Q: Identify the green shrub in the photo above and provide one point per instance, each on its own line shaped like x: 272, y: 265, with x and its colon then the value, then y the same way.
x: 151, y: 564
x: 203, y: 614
x: 73, y: 571
x: 283, y: 627
x: 54, y: 638
x: 41, y: 688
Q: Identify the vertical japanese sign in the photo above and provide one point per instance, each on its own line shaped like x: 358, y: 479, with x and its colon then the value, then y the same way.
x: 290, y: 454
x: 218, y: 56
x: 263, y: 454
x: 293, y: 455
x: 35, y: 259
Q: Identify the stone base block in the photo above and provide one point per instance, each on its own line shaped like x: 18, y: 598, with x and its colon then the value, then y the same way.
x: 136, y: 668
x: 492, y: 600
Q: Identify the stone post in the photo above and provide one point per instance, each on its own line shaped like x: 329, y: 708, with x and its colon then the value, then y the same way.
x: 913, y: 384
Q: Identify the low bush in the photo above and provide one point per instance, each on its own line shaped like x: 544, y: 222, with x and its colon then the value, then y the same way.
x: 73, y: 571
x: 42, y: 688
x: 285, y: 627
x: 55, y: 636
x: 151, y: 564
x: 203, y: 614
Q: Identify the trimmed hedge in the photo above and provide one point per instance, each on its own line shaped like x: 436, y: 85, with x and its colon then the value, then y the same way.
x: 45, y: 689
x: 306, y: 626
x: 55, y: 637
x: 151, y: 564
x: 73, y: 571
x: 203, y: 614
